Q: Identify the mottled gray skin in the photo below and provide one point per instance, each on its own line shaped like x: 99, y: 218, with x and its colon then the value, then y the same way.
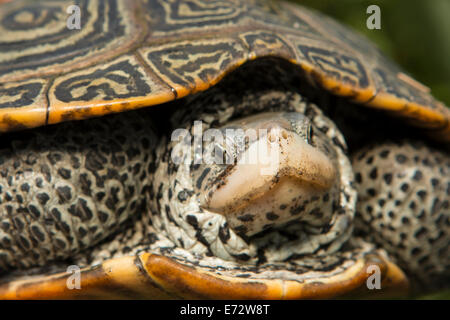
x: 111, y: 182
x: 67, y: 187
x: 403, y: 205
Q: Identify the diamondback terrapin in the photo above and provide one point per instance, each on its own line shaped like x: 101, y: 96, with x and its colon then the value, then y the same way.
x: 150, y: 203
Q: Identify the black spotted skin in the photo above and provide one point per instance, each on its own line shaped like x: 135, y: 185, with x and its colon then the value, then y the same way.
x: 404, y: 193
x: 63, y: 189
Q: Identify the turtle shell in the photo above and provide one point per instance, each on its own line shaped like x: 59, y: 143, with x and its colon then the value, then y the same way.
x: 135, y: 54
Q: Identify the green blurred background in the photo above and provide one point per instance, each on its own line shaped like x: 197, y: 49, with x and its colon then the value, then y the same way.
x: 414, y: 33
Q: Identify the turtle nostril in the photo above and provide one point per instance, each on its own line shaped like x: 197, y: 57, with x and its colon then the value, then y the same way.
x: 276, y: 134
x: 272, y: 136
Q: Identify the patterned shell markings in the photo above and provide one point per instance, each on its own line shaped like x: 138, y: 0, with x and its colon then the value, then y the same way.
x: 132, y: 54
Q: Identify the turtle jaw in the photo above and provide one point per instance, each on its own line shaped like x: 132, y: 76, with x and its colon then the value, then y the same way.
x: 272, y: 181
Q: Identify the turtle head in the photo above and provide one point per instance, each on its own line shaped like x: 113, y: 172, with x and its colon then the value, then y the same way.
x: 265, y: 180
x: 265, y: 170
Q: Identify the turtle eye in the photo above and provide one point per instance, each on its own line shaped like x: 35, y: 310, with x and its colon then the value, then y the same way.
x: 310, y: 134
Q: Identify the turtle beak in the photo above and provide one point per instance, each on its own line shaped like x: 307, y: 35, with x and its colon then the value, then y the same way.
x: 277, y: 173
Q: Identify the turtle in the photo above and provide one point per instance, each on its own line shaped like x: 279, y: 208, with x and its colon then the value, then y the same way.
x: 102, y: 196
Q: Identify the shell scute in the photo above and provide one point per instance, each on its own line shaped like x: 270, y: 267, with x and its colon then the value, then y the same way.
x: 183, y: 47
